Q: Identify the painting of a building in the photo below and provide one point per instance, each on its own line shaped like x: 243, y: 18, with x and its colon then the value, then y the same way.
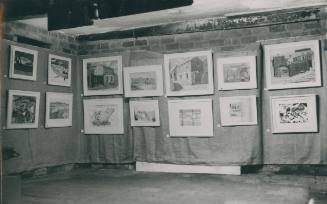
x: 100, y: 76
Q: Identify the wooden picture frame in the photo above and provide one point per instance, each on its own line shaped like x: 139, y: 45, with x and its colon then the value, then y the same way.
x: 59, y: 70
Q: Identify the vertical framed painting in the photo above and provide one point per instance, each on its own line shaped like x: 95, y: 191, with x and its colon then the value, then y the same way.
x: 103, y: 116
x: 294, y: 113
x: 142, y: 81
x: 23, y: 109
x: 23, y: 63
x: 59, y: 70
x: 189, y: 73
x: 144, y: 113
x: 238, y: 110
x: 237, y: 73
x: 59, y: 109
x: 292, y: 65
x: 189, y: 118
x: 102, y: 76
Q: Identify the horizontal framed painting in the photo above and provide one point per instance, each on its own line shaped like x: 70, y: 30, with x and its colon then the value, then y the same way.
x: 292, y: 65
x: 59, y: 109
x: 189, y: 73
x: 23, y: 109
x: 189, y: 118
x: 59, y: 70
x: 142, y: 81
x: 23, y: 63
x: 294, y: 113
x: 102, y: 76
x: 144, y: 113
x: 238, y: 110
x: 237, y: 73
x: 103, y: 116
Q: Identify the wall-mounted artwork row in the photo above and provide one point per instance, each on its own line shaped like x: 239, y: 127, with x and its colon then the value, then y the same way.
x: 23, y: 63
x: 292, y: 65
x: 102, y: 76
x: 142, y: 81
x: 59, y: 70
x: 189, y: 73
x: 23, y: 109
x: 144, y: 113
x: 103, y: 116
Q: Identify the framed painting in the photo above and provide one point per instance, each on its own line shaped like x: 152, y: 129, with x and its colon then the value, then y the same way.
x: 238, y: 110
x: 59, y: 70
x: 189, y: 73
x: 144, y: 113
x: 142, y: 81
x: 237, y: 73
x: 189, y: 118
x: 292, y: 65
x: 23, y: 63
x: 23, y: 109
x: 59, y: 109
x: 102, y: 76
x: 291, y: 114
x: 103, y: 116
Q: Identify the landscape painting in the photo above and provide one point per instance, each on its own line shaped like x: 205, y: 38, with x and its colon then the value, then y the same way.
x: 59, y: 70
x: 23, y: 109
x: 23, y: 63
x: 58, y: 109
x: 293, y: 65
x: 189, y: 73
x: 103, y: 116
x: 144, y: 113
x: 102, y: 76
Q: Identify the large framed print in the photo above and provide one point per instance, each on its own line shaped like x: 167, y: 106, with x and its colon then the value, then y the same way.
x: 188, y: 73
x: 189, y: 118
x: 142, y: 81
x: 23, y: 63
x: 102, y: 76
x: 237, y: 73
x: 59, y: 70
x: 294, y: 113
x: 59, y: 109
x: 103, y: 116
x: 23, y: 109
x: 144, y: 113
x: 238, y: 110
x: 292, y: 65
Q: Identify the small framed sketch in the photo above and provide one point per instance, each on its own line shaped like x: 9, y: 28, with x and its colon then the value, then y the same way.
x: 59, y: 70
x: 144, y: 113
x: 292, y: 65
x: 190, y: 118
x: 102, y: 76
x: 143, y: 81
x: 23, y: 109
x: 189, y: 73
x: 237, y: 73
x: 23, y: 63
x: 294, y: 114
x: 103, y: 116
x: 238, y: 110
x: 59, y: 108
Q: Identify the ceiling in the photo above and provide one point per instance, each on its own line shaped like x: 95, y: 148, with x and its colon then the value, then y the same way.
x: 199, y: 9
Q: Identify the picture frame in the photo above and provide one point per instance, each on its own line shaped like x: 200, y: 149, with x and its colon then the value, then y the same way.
x: 294, y: 114
x: 59, y: 70
x: 23, y: 63
x: 189, y: 73
x: 238, y: 110
x: 236, y: 72
x: 103, y: 116
x: 140, y: 81
x: 144, y: 113
x: 59, y: 109
x: 190, y: 118
x: 23, y: 109
x: 102, y: 76
x: 293, y: 65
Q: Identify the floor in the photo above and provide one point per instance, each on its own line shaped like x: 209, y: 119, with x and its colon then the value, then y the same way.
x: 103, y: 186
